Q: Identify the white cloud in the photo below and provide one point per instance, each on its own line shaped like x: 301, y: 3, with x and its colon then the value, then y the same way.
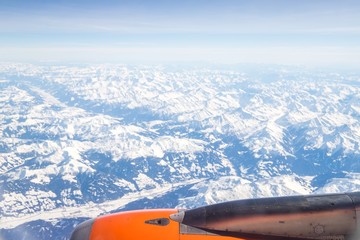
x: 311, y: 56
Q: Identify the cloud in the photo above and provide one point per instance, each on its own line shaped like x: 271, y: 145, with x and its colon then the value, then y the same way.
x: 272, y: 55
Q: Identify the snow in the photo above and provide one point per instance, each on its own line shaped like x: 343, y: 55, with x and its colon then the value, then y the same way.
x: 89, y: 210
x: 145, y: 182
x: 228, y: 133
x: 349, y: 183
x: 234, y: 188
x: 27, y: 202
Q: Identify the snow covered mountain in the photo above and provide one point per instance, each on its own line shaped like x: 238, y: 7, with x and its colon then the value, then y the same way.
x: 81, y: 141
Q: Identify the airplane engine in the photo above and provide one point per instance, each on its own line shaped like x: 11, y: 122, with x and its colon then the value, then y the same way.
x: 132, y: 225
x: 321, y: 217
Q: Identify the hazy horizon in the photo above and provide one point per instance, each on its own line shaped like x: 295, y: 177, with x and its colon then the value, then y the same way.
x: 312, y: 33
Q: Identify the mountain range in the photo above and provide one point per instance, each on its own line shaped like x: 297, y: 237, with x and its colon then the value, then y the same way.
x: 79, y: 141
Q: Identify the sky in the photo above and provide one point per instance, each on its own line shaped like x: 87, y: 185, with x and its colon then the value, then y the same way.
x: 307, y: 32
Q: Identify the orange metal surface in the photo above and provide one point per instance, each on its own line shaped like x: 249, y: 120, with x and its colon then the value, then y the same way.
x: 206, y: 237
x: 132, y: 226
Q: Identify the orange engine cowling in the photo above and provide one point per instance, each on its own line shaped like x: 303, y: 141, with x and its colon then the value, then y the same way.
x: 142, y: 224
x: 320, y: 217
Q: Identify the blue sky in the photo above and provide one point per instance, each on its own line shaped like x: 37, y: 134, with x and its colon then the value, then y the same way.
x: 315, y: 32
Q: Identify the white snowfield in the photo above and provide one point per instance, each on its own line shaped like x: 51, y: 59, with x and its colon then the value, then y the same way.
x: 210, y: 192
x: 52, y: 118
x: 89, y: 210
x: 234, y: 188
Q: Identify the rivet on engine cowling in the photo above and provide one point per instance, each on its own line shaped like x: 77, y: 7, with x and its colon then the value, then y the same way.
x: 319, y: 229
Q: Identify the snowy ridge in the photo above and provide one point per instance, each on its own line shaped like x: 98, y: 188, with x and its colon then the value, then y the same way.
x: 348, y: 183
x: 89, y: 210
x: 234, y: 188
